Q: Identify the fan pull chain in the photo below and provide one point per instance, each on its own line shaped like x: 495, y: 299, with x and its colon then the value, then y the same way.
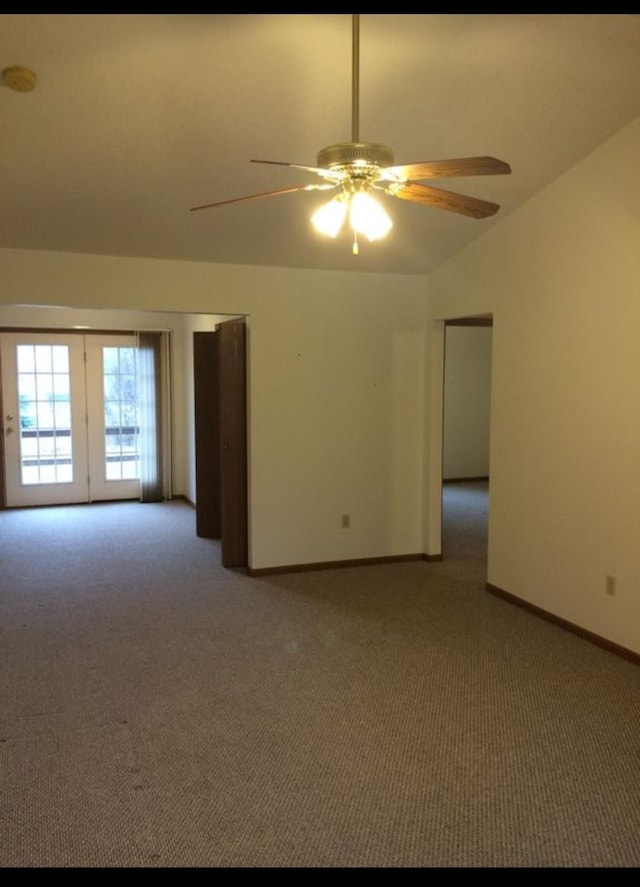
x: 355, y: 249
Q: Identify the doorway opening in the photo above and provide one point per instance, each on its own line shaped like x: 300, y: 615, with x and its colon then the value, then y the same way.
x: 466, y: 420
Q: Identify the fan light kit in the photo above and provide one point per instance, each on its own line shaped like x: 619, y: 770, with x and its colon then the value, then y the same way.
x: 358, y: 169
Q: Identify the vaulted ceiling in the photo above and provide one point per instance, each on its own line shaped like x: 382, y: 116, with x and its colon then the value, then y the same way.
x: 136, y: 118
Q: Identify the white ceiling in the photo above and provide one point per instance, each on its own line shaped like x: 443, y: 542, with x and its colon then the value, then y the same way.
x: 136, y: 118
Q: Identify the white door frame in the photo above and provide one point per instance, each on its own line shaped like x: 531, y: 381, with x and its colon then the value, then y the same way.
x: 89, y: 482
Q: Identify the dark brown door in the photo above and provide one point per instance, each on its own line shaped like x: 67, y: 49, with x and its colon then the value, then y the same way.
x: 233, y: 442
x: 221, y: 438
x: 206, y: 376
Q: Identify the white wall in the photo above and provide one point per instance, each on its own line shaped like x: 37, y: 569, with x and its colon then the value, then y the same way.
x: 336, y: 388
x: 467, y: 401
x: 562, y: 279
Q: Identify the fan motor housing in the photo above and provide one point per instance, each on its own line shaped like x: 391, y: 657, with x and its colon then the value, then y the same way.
x: 355, y: 155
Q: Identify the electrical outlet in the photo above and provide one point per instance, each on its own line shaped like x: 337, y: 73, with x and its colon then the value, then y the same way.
x: 610, y: 585
x: 346, y: 521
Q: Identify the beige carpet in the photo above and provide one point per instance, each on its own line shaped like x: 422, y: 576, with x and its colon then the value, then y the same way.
x: 159, y: 711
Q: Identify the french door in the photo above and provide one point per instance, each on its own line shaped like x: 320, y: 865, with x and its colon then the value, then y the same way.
x: 71, y: 432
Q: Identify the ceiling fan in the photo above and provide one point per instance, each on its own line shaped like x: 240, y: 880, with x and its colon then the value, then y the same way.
x: 358, y: 169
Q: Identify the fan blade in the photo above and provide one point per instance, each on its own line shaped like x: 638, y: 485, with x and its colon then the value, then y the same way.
x: 442, y: 169
x: 325, y: 173
x: 264, y: 194
x: 457, y: 203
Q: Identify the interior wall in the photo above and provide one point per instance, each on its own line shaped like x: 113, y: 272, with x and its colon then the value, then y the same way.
x: 467, y: 402
x: 561, y: 278
x: 336, y: 365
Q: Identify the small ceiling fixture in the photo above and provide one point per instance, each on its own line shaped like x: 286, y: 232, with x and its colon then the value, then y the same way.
x: 19, y: 78
x: 358, y: 169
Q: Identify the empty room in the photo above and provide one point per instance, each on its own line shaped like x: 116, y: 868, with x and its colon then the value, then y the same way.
x: 320, y: 472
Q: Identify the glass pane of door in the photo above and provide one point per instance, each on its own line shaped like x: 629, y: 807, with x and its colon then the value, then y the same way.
x: 121, y: 428
x: 44, y: 397
x: 45, y: 433
x: 112, y: 409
